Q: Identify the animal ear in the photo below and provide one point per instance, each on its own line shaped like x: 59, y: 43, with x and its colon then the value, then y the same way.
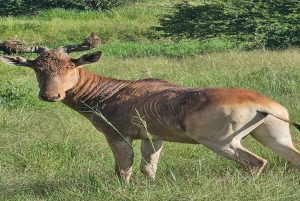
x: 87, y: 59
x: 16, y: 61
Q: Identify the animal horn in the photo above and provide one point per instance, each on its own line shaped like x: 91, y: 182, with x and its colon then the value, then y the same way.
x: 13, y: 45
x: 90, y: 42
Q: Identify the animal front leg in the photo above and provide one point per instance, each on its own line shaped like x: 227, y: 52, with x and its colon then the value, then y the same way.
x: 123, y: 154
x: 150, y: 155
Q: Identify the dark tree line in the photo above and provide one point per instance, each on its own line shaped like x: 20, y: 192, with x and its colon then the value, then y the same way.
x: 31, y: 7
x: 272, y: 23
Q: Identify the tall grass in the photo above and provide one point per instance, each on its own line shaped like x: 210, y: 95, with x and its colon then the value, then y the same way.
x: 124, y: 32
x: 57, y: 26
x: 48, y: 152
x: 133, y: 49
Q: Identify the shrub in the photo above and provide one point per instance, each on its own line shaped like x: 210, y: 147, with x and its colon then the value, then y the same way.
x: 272, y: 23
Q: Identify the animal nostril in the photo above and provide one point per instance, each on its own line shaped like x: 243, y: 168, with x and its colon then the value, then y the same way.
x: 51, y: 98
x: 43, y: 97
x: 56, y: 96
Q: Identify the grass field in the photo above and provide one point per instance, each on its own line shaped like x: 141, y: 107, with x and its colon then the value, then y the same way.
x: 48, y: 152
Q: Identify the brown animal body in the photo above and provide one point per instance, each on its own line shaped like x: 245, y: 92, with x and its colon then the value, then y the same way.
x: 154, y: 111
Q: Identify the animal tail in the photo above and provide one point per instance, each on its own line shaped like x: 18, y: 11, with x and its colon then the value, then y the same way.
x: 281, y: 118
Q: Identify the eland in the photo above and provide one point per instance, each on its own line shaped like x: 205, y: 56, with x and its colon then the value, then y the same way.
x: 154, y: 110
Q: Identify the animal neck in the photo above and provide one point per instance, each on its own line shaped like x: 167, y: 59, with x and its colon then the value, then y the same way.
x: 90, y: 90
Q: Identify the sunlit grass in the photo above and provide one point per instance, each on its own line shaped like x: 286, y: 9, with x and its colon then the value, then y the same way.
x: 49, y: 152
x: 58, y: 26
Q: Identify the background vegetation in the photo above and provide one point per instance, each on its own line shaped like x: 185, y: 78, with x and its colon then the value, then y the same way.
x: 48, y: 152
x: 32, y: 7
x: 269, y: 24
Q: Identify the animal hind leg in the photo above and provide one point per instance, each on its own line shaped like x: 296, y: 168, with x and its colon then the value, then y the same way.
x: 275, y: 135
x: 236, y: 152
x: 150, y: 155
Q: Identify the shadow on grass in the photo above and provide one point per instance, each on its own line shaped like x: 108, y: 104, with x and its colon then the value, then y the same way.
x: 63, y: 189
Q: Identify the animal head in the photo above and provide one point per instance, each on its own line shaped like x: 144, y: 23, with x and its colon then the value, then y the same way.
x: 56, y: 72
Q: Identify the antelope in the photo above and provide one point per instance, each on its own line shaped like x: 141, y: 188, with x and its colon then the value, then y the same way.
x: 154, y: 110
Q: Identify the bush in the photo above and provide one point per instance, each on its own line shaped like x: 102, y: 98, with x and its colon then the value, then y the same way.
x: 272, y: 23
x: 29, y: 7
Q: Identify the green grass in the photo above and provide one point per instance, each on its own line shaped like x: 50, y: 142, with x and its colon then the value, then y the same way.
x: 133, y: 49
x: 57, y: 26
x: 49, y: 152
x: 124, y: 32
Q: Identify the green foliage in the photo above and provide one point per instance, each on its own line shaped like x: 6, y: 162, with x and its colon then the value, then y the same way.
x: 25, y: 7
x: 270, y: 24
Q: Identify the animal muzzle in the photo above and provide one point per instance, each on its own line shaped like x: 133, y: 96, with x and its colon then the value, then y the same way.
x: 50, y: 97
